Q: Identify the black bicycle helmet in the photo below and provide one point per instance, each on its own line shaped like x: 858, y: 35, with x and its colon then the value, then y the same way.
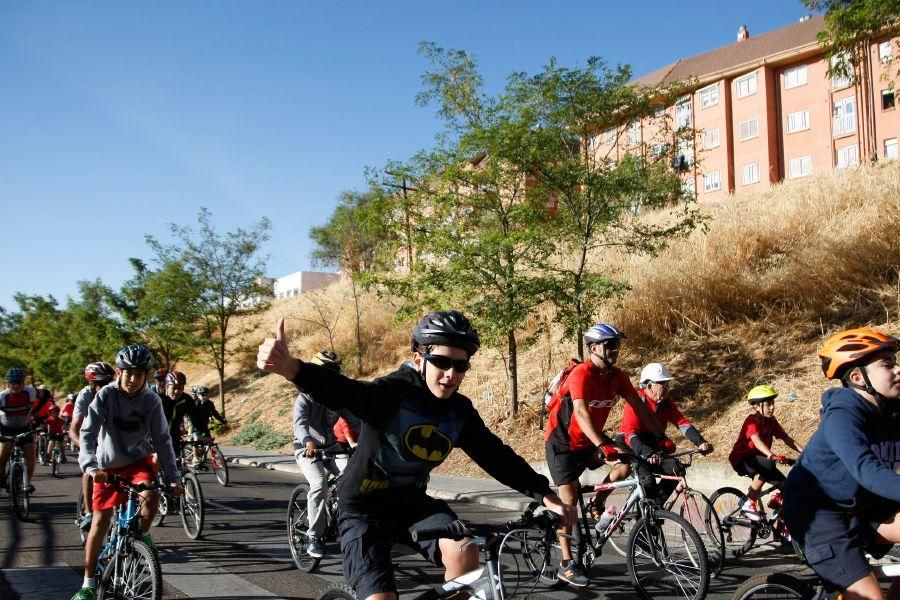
x: 15, y: 375
x: 134, y: 356
x: 176, y: 378
x: 324, y: 358
x: 99, y: 373
x: 200, y: 390
x: 446, y: 328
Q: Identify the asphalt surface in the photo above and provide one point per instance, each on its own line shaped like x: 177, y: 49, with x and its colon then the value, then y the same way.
x: 243, y: 551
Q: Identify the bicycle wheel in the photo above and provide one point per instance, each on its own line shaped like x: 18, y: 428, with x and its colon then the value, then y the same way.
x: 773, y: 586
x: 191, y: 506
x: 297, y: 526
x: 54, y: 462
x: 618, y: 539
x: 219, y: 465
x: 698, y: 511
x: 738, y: 531
x: 666, y: 558
x: 162, y: 508
x: 42, y: 450
x: 18, y: 491
x: 135, y: 575
x: 338, y: 591
x: 541, y: 557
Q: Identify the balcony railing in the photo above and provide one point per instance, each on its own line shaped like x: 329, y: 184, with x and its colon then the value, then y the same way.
x: 845, y: 124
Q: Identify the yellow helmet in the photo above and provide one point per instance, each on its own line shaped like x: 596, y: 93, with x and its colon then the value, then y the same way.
x: 324, y: 358
x: 761, y: 393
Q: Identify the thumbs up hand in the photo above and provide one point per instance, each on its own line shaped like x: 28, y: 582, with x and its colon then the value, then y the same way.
x: 274, y: 355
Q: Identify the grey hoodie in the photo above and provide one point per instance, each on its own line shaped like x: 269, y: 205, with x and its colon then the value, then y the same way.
x: 313, y: 422
x: 115, y: 430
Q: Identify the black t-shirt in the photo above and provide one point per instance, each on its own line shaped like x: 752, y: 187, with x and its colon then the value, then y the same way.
x: 200, y: 413
x: 408, y: 432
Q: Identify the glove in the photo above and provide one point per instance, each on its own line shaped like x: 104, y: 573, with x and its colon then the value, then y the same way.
x: 609, y: 452
x: 779, y: 458
x: 709, y: 449
x: 666, y: 445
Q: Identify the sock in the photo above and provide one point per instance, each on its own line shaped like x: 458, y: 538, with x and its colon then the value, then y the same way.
x: 88, y: 582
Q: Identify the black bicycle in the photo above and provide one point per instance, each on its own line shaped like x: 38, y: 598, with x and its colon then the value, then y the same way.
x: 189, y: 505
x: 298, y: 521
x: 17, y: 475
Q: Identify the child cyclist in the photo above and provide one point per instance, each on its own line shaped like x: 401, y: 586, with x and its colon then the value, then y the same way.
x: 842, y: 499
x: 413, y: 418
x: 752, y: 455
x: 56, y: 432
x: 114, y: 441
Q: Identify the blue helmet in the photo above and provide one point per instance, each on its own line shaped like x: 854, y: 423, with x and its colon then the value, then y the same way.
x: 601, y: 332
x: 15, y: 375
x: 134, y: 356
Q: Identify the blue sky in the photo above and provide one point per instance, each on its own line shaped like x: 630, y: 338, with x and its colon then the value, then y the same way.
x: 117, y: 118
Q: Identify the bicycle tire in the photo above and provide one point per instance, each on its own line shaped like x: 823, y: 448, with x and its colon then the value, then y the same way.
x: 739, y: 532
x: 773, y: 586
x: 191, y: 506
x: 697, y: 510
x: 18, y: 492
x: 338, y: 591
x: 54, y: 463
x: 141, y: 575
x: 42, y: 451
x: 541, y: 557
x: 297, y: 524
x: 220, y: 466
x: 162, y: 508
x: 667, y: 530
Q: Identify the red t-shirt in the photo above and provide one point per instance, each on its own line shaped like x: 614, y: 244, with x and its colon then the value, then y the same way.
x: 755, y: 424
x: 666, y: 413
x: 55, y: 425
x: 599, y: 390
x: 342, y: 429
x: 66, y: 411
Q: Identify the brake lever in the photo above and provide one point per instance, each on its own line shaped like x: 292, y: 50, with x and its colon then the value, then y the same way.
x: 479, y: 541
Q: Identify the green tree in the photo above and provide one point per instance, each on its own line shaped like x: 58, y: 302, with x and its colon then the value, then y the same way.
x: 850, y: 26
x: 226, y: 270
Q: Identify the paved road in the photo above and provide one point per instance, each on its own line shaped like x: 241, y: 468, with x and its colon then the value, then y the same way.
x: 243, y: 552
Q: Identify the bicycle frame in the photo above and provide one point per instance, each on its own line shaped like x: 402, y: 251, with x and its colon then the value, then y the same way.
x: 121, y: 531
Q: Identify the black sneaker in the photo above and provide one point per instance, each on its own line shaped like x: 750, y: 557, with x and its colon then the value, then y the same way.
x: 572, y: 573
x: 316, y: 548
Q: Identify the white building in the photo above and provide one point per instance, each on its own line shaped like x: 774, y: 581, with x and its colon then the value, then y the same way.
x: 302, y: 281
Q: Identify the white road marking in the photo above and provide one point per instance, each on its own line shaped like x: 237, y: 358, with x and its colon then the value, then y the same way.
x: 224, y: 507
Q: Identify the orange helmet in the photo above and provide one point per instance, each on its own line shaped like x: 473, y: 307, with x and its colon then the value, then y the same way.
x: 848, y: 348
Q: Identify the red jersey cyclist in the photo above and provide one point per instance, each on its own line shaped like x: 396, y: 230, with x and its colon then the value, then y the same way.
x: 752, y: 455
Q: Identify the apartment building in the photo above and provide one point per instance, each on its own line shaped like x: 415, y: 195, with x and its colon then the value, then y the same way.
x: 764, y: 110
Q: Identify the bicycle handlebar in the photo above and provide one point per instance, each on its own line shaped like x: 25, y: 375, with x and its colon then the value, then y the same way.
x: 13, y: 438
x: 457, y: 530
x: 127, y: 486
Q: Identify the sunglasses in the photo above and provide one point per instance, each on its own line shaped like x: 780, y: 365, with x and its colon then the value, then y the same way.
x: 444, y: 363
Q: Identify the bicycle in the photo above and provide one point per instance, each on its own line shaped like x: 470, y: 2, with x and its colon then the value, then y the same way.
x: 664, y: 553
x: 691, y: 504
x: 42, y: 442
x: 189, y: 506
x: 487, y: 581
x: 740, y: 531
x: 16, y: 475
x: 297, y: 522
x: 127, y: 567
x: 56, y: 459
x: 210, y: 457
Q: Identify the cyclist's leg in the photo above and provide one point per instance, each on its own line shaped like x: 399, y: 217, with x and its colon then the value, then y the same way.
x: 143, y: 471
x: 833, y: 543
x: 87, y: 490
x: 94, y: 542
x: 568, y: 493
x: 317, y: 477
x: 5, y: 451
x: 866, y: 588
x: 617, y: 472
x: 366, y: 555
x: 431, y: 513
x: 565, y: 468
x: 29, y: 449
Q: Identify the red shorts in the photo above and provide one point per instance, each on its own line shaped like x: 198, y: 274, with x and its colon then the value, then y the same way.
x: 107, y: 495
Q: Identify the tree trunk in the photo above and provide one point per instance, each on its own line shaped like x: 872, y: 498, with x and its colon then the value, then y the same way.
x: 513, y: 377
x: 359, y: 348
x: 221, y: 371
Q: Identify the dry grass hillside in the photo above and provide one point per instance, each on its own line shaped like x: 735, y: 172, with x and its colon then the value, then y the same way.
x: 744, y: 302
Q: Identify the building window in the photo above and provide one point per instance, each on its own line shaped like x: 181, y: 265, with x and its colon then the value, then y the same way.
x: 888, y: 100
x: 844, y: 116
x: 709, y: 96
x: 750, y: 174
x: 711, y: 138
x: 683, y: 115
x: 890, y: 149
x: 840, y: 81
x: 795, y: 77
x: 633, y: 134
x: 798, y: 121
x: 712, y: 182
x: 749, y: 129
x: 848, y: 156
x: 885, y: 52
x: 800, y: 167
x: 746, y: 85
x: 658, y: 150
x: 685, y: 157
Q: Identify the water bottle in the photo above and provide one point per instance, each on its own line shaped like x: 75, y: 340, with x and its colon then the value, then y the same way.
x: 605, y: 519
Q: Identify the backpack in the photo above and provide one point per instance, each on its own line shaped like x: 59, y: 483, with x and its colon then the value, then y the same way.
x: 553, y: 396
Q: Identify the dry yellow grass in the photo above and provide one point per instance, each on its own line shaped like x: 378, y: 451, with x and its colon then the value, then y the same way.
x: 747, y: 301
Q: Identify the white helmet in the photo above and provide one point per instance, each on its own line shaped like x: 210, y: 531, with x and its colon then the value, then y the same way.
x: 655, y: 372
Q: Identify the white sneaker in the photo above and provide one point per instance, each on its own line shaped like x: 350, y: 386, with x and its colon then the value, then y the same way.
x: 751, y: 510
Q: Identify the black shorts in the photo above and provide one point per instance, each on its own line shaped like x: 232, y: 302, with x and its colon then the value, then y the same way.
x: 11, y: 431
x: 566, y: 466
x: 757, y: 464
x: 366, y: 541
